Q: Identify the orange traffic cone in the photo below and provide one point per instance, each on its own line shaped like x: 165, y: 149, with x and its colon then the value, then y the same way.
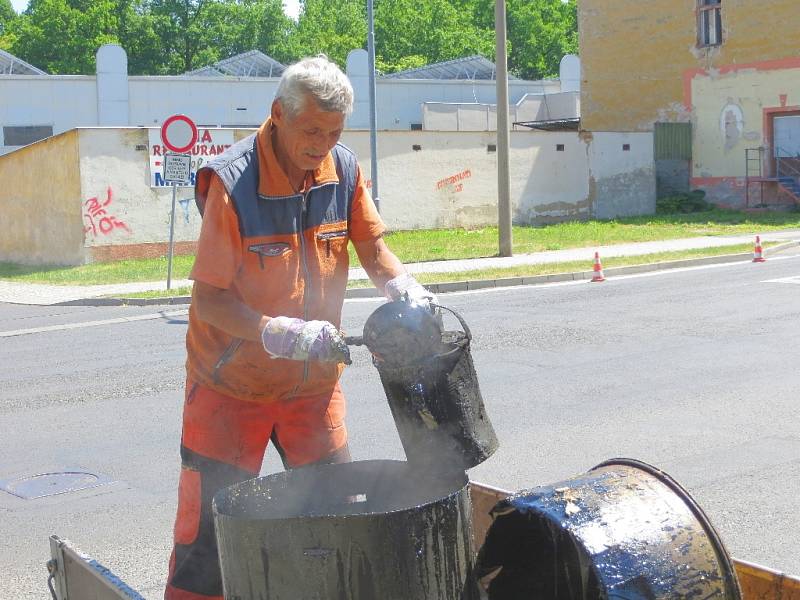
x: 758, y: 253
x: 598, y: 268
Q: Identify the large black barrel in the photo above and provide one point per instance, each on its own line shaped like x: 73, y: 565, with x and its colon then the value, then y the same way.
x: 431, y: 385
x: 624, y: 530
x: 365, y: 530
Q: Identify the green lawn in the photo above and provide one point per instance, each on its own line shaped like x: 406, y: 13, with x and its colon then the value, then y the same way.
x: 443, y: 244
x: 522, y: 270
x: 417, y: 246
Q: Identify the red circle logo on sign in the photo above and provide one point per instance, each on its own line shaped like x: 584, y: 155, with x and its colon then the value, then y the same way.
x: 179, y: 133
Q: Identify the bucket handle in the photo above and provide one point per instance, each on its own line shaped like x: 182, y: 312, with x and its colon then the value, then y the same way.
x: 457, y: 316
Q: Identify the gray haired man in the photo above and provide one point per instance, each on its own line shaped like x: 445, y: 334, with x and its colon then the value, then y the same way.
x: 264, y: 351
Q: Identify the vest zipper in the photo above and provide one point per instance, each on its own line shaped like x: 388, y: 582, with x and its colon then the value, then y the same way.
x: 306, y: 274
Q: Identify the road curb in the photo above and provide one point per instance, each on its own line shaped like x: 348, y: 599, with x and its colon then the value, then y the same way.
x: 468, y: 285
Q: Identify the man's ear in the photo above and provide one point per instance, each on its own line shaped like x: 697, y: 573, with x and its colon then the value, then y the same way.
x: 276, y: 112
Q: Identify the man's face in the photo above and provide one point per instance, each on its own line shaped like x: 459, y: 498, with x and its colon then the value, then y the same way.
x: 306, y: 138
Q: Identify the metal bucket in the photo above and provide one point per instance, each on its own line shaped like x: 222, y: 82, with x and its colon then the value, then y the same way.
x: 356, y: 531
x: 624, y: 530
x: 431, y: 385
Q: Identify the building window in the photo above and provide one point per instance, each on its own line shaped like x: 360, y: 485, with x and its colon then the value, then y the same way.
x: 26, y: 134
x: 709, y: 23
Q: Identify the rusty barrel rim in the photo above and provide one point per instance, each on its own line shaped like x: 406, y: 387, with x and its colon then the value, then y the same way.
x: 729, y: 572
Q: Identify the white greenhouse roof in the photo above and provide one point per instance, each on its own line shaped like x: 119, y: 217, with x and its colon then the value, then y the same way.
x: 248, y: 64
x: 468, y: 67
x: 11, y: 65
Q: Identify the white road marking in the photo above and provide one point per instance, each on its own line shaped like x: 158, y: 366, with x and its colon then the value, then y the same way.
x: 795, y: 279
x: 147, y: 317
x: 182, y: 312
x: 613, y: 278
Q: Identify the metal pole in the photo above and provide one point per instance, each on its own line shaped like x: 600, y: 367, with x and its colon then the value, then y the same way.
x: 503, y: 169
x: 373, y: 113
x: 171, y: 237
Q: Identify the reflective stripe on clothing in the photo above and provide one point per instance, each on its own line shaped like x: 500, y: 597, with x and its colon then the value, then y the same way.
x: 223, y: 443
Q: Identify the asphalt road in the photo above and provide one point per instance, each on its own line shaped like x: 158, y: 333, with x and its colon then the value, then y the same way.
x: 693, y: 371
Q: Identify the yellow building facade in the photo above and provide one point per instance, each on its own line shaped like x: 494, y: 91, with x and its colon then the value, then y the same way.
x: 724, y: 72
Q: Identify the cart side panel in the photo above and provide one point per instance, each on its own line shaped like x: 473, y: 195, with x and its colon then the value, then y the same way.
x: 761, y: 583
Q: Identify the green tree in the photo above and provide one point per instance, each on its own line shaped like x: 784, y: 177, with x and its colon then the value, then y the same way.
x: 196, y: 33
x: 7, y: 16
x: 136, y: 34
x: 331, y: 29
x: 62, y: 36
x: 412, y: 33
x: 540, y: 33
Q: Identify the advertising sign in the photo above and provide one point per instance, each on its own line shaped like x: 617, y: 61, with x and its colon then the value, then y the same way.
x: 209, y: 143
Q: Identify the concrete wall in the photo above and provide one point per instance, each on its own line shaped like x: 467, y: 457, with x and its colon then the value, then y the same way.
x: 732, y: 106
x: 451, y: 180
x: 621, y: 174
x: 634, y: 54
x: 733, y: 109
x: 40, y: 203
x: 64, y: 102
x: 107, y: 210
x: 113, y: 98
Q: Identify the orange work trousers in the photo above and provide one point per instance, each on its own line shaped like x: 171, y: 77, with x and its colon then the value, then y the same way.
x: 223, y: 443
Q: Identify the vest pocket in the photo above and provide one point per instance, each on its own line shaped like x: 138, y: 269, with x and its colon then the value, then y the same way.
x: 332, y: 237
x: 269, y: 250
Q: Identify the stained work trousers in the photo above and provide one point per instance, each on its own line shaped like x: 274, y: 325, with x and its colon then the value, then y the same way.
x: 223, y: 443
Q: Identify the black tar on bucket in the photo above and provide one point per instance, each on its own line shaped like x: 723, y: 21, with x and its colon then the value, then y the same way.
x: 431, y: 385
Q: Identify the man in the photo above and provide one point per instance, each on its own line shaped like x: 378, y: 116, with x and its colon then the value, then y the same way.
x: 264, y: 349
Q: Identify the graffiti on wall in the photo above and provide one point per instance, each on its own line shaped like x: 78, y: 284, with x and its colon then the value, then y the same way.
x: 98, y: 218
x: 185, y: 206
x: 454, y: 182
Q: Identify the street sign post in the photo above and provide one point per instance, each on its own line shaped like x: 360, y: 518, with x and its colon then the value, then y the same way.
x: 178, y: 134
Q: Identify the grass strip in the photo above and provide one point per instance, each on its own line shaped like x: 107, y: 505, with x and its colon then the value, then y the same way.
x: 447, y: 244
x: 522, y: 270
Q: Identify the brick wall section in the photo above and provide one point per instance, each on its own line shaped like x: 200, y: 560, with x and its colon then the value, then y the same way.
x: 634, y: 54
x: 152, y: 250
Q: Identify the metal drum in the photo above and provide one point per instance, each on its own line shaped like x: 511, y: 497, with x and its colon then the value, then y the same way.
x: 624, y: 530
x: 365, y: 530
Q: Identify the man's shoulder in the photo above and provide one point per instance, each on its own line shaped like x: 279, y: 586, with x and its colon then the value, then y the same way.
x: 344, y: 153
x: 236, y: 153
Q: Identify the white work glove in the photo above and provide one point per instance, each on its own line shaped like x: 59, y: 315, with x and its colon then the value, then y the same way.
x: 296, y: 339
x: 405, y: 285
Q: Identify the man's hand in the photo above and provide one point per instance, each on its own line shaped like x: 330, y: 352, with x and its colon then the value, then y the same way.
x: 296, y: 339
x: 406, y: 285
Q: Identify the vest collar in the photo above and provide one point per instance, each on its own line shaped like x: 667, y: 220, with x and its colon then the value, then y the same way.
x: 273, y: 181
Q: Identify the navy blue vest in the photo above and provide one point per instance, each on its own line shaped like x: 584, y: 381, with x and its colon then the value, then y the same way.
x: 262, y: 215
